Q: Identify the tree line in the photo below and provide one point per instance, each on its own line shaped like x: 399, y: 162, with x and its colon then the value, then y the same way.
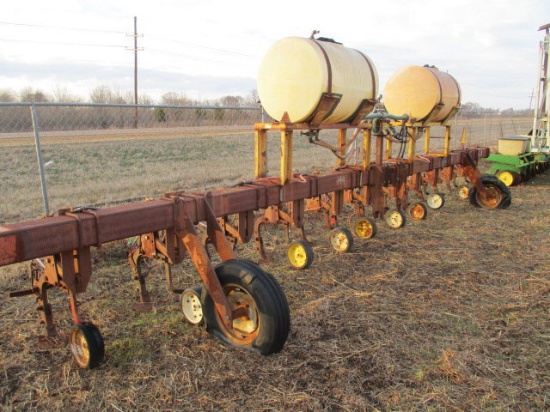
x: 225, y: 111
x: 471, y: 110
x: 107, y: 95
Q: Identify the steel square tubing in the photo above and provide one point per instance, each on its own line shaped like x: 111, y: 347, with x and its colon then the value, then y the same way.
x: 42, y: 237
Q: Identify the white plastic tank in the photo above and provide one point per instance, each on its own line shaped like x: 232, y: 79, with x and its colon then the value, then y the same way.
x: 417, y: 90
x: 297, y: 71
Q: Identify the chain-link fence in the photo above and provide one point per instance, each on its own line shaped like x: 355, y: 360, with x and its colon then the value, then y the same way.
x: 486, y: 130
x: 16, y: 117
x: 108, y: 153
x: 104, y: 154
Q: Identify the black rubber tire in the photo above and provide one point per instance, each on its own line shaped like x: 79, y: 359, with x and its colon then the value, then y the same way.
x: 277, y: 294
x: 93, y: 340
x: 270, y: 308
x: 494, y: 181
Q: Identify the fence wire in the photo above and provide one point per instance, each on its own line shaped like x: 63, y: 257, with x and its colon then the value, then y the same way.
x: 100, y: 155
x: 15, y: 118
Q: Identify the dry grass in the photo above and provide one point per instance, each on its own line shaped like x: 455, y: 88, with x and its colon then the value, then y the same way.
x: 103, y: 170
x: 108, y: 167
x: 450, y: 313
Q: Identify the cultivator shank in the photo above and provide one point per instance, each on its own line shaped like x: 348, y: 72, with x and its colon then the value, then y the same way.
x: 239, y: 302
x: 168, y: 230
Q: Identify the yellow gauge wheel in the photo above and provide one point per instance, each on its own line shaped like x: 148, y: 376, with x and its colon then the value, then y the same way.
x: 463, y: 192
x: 87, y: 346
x: 300, y: 254
x: 341, y: 239
x: 506, y: 177
x: 365, y: 228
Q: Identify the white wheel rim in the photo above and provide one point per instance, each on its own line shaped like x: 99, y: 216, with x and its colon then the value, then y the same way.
x: 395, y: 220
x: 339, y: 241
x: 435, y: 201
x: 191, y: 307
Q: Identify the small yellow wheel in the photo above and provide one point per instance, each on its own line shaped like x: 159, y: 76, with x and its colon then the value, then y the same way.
x: 435, y: 200
x: 507, y: 177
x: 463, y: 192
x: 300, y: 254
x: 417, y: 211
x: 341, y: 239
x: 394, y: 219
x: 87, y: 345
x: 364, y: 228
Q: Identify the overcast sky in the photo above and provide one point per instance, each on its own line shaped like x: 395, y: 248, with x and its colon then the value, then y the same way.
x: 212, y: 48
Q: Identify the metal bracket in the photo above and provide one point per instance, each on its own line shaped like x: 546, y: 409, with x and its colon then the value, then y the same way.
x: 185, y: 229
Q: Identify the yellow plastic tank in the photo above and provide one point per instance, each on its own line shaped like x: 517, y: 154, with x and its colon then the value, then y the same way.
x: 296, y: 72
x: 514, y: 145
x: 418, y: 90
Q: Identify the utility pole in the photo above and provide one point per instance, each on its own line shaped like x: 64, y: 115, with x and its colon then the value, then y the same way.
x: 136, y: 49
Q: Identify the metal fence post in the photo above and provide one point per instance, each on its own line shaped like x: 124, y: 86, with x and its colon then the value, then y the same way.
x: 39, y: 156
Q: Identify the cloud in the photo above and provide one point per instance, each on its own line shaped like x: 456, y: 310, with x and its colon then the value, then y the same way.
x: 152, y: 82
x: 214, y: 48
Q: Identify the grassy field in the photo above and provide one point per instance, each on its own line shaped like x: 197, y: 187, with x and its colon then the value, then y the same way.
x: 450, y: 313
x: 111, y: 166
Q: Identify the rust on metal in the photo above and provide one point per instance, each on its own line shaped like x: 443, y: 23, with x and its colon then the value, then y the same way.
x: 167, y: 227
x: 9, y: 251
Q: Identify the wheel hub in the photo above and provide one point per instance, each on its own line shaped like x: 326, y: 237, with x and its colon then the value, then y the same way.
x: 417, y: 212
x: 241, y: 302
x: 191, y: 306
x: 79, y: 347
x: 339, y: 241
x: 490, y: 198
x: 364, y: 229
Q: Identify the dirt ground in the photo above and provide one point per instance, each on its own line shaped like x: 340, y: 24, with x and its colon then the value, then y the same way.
x: 450, y: 313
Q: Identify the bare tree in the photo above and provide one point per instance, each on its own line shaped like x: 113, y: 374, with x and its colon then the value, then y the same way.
x: 61, y: 95
x: 29, y: 95
x: 7, y: 95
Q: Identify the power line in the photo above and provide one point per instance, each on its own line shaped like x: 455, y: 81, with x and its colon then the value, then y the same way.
x: 62, y: 43
x: 201, y: 46
x: 225, y: 51
x: 184, y: 56
x: 61, y: 27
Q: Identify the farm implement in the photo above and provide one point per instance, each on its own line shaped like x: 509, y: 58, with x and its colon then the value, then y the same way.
x: 239, y: 302
x: 520, y: 158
